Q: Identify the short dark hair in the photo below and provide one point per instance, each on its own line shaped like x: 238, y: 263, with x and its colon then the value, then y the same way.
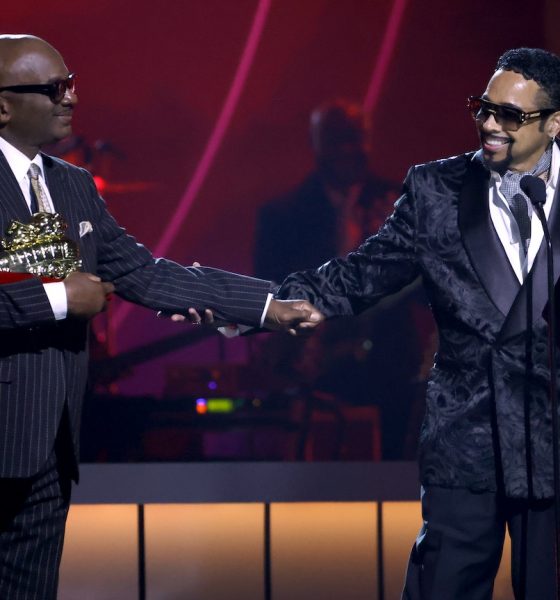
x: 537, y: 64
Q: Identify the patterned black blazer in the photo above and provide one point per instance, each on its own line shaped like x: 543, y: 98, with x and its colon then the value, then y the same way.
x: 43, y: 363
x: 487, y: 424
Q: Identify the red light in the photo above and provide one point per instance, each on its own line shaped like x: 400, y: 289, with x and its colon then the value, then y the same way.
x: 100, y: 184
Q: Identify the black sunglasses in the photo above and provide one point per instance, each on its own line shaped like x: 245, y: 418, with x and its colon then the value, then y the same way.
x: 55, y: 90
x: 508, y: 117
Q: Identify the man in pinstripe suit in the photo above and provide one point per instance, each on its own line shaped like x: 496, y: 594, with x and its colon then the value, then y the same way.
x: 43, y: 326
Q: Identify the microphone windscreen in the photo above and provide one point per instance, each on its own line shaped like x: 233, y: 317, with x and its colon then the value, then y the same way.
x: 535, y: 189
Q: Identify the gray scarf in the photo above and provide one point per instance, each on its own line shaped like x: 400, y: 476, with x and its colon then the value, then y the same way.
x: 517, y: 200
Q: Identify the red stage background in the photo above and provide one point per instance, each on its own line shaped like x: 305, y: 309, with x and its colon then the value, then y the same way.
x: 153, y: 79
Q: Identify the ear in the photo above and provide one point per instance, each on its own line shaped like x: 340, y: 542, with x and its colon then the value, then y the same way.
x: 554, y: 125
x: 4, y: 111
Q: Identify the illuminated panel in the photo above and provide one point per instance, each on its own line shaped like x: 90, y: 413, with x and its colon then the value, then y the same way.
x: 401, y: 524
x: 318, y: 550
x: 213, y: 144
x: 100, y: 558
x: 502, y: 585
x: 212, y: 551
x: 325, y: 550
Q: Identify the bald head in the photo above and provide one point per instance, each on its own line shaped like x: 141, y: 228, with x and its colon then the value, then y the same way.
x: 17, y: 38
x: 18, y: 55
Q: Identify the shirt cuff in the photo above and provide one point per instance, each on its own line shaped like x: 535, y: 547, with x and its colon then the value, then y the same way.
x: 265, y: 310
x: 235, y: 330
x: 56, y: 293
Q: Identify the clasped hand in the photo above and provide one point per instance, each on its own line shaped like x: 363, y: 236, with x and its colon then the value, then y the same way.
x: 86, y: 294
x: 297, y: 317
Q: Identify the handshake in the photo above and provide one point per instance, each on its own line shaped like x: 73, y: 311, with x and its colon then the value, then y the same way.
x: 297, y: 317
x: 294, y: 316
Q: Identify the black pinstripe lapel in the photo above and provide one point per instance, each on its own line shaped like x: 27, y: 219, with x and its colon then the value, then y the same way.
x: 63, y: 193
x: 57, y: 182
x: 12, y: 202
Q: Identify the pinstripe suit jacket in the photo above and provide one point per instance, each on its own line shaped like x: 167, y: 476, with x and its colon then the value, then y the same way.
x: 43, y: 362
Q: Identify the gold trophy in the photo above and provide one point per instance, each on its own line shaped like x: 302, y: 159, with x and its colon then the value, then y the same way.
x: 39, y: 248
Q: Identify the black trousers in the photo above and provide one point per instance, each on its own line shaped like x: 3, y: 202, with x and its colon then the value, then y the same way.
x: 458, y: 550
x: 33, y: 515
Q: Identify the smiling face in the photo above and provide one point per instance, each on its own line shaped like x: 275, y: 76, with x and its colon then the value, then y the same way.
x: 516, y: 150
x: 31, y: 120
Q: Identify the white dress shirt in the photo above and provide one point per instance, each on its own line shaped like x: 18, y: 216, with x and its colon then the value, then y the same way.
x: 506, y: 225
x: 19, y: 163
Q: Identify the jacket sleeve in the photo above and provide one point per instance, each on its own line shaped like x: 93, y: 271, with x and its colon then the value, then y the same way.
x: 385, y: 263
x: 24, y: 304
x: 161, y: 284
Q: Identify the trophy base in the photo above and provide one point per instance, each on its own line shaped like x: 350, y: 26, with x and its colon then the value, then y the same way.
x: 7, y: 277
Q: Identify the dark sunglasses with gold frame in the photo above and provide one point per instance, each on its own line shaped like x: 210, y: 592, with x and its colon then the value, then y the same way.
x: 509, y: 117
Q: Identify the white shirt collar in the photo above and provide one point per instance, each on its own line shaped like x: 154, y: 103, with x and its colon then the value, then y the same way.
x: 19, y: 163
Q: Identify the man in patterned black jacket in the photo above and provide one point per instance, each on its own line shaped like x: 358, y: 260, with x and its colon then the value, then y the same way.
x: 43, y: 325
x: 465, y: 226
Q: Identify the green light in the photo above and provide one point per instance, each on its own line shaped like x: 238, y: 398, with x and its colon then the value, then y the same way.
x: 221, y: 405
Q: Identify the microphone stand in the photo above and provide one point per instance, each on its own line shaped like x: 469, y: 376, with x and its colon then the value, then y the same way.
x: 552, y: 388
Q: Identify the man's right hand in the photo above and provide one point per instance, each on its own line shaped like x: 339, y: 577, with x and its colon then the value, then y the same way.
x: 86, y: 294
x: 297, y: 317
